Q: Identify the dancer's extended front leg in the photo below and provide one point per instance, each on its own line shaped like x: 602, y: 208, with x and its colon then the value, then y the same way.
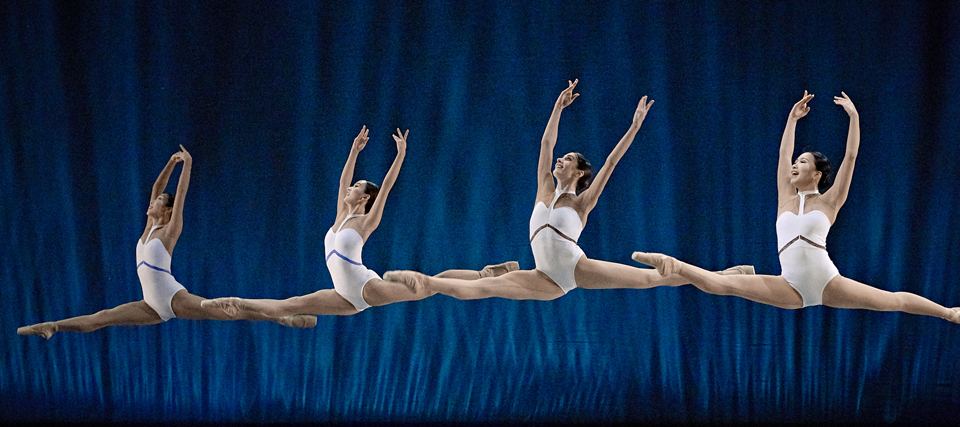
x: 597, y: 274
x: 842, y: 292
x: 770, y: 290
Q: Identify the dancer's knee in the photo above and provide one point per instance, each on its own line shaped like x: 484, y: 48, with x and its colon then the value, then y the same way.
x: 97, y: 320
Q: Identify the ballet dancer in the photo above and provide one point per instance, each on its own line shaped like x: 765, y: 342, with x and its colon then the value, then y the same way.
x: 559, y: 215
x: 163, y: 297
x: 355, y: 287
x: 804, y: 217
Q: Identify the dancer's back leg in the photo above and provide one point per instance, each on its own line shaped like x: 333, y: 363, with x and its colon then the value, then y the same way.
x: 323, y: 302
x: 517, y: 285
x: 135, y: 313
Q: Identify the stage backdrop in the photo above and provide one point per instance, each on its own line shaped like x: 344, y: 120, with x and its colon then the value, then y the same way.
x: 96, y: 96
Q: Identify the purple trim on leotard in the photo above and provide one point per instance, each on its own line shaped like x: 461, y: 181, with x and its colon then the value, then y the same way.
x: 341, y: 256
x: 153, y: 267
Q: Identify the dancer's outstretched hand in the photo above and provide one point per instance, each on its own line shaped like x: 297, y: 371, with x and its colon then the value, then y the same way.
x: 361, y: 140
x: 185, y: 155
x: 642, y: 109
x: 801, y: 109
x: 181, y: 156
x: 846, y: 103
x: 401, y: 139
x: 567, y: 96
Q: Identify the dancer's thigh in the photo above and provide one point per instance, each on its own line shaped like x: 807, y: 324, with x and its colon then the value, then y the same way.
x: 322, y: 302
x: 135, y: 313
x: 765, y: 289
x: 520, y: 285
x: 842, y: 292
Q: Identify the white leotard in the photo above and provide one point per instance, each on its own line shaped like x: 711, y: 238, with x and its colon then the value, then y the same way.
x: 156, y: 280
x: 553, y: 239
x: 343, y: 249
x: 804, y: 262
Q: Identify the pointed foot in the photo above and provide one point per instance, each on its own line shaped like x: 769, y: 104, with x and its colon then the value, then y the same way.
x: 229, y: 305
x: 299, y: 321
x: 665, y: 265
x: 499, y: 269
x: 417, y: 282
x: 45, y: 330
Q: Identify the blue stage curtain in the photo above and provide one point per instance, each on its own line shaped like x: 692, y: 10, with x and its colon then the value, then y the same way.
x: 95, y: 96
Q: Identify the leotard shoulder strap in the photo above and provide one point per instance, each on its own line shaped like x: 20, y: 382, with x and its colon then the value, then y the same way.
x: 345, y: 221
x: 803, y: 198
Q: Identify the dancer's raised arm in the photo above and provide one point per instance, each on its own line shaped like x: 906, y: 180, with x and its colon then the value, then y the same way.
x: 786, y: 190
x: 372, y: 219
x: 545, y: 184
x: 164, y: 176
x: 590, y: 196
x: 837, y: 194
x: 161, y: 183
x: 347, y: 175
x: 176, y: 217
x: 355, y: 287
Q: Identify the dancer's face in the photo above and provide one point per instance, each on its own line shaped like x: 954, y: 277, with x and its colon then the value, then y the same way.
x: 804, y: 171
x: 157, y: 206
x: 565, y: 169
x: 356, y: 193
